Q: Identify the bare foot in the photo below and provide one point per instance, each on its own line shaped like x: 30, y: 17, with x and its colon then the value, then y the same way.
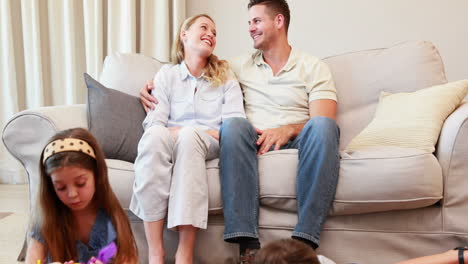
x: 156, y: 259
x: 181, y: 258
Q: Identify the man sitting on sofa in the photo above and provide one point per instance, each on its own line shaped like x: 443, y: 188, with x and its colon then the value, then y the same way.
x: 290, y: 102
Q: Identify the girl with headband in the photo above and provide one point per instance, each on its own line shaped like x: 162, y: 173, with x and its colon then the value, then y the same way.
x: 78, y: 213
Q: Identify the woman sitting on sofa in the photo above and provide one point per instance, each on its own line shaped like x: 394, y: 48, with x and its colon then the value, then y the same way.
x: 195, y: 94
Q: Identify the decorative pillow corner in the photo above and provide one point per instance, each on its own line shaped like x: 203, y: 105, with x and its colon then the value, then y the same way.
x: 411, y: 120
x: 115, y: 119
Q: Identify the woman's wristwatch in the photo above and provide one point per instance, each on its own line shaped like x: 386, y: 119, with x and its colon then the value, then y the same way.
x: 461, y: 259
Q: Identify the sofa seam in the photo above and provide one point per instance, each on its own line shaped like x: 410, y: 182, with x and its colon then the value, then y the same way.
x: 333, y: 229
x: 277, y: 196
x: 14, y: 153
x: 395, y: 232
x: 448, y: 171
x: 352, y: 159
x: 390, y: 158
x: 120, y: 169
x: 400, y: 43
x: 131, y: 170
x: 386, y: 201
x: 358, y: 201
x: 440, y: 59
x: 279, y: 152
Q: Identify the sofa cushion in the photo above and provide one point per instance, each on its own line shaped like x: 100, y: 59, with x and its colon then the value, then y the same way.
x: 411, y: 120
x: 387, y: 178
x: 122, y: 175
x: 361, y: 76
x: 128, y: 72
x: 115, y: 119
x: 375, y: 180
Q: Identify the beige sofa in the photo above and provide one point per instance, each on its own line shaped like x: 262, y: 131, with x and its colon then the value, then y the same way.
x: 391, y: 203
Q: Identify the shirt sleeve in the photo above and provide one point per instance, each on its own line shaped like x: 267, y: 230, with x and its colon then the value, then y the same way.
x: 160, y: 114
x: 320, y: 82
x: 36, y: 233
x: 233, y: 102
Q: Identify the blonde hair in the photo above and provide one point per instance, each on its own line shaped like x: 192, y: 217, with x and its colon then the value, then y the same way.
x: 216, y: 70
x: 54, y: 218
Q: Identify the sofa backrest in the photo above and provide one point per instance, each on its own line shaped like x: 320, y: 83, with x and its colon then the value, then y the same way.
x: 361, y: 76
x: 128, y: 72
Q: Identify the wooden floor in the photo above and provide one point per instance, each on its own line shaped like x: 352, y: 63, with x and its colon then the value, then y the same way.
x: 13, y: 221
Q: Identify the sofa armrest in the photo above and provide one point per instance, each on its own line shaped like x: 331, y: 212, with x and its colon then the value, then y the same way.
x: 27, y: 132
x: 452, y: 153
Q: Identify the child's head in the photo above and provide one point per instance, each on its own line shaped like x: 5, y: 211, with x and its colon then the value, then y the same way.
x: 74, y: 178
x: 72, y: 168
x: 286, y: 251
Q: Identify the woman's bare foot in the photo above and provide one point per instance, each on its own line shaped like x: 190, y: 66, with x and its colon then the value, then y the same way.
x: 156, y: 259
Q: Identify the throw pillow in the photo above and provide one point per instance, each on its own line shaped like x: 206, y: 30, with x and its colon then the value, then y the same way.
x: 411, y: 120
x: 115, y: 119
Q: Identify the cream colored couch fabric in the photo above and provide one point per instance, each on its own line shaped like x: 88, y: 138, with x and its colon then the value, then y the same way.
x: 391, y: 203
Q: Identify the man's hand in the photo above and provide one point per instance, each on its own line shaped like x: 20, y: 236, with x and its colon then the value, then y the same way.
x: 174, y: 132
x: 276, y: 136
x: 146, y: 98
x: 213, y: 133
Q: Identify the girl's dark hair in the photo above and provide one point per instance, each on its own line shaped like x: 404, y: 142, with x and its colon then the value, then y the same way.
x: 275, y: 7
x: 286, y: 251
x: 55, y: 219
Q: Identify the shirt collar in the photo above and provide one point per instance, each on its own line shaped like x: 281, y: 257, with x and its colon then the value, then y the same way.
x: 292, y: 60
x: 185, y: 73
x: 258, y: 59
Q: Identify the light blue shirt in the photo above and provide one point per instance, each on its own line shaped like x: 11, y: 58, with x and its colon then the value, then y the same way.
x: 184, y: 100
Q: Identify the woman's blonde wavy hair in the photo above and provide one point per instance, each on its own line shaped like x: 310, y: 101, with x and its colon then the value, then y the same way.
x: 216, y: 70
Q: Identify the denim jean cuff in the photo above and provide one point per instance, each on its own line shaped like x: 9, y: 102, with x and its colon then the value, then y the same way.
x: 306, y: 236
x: 232, y: 237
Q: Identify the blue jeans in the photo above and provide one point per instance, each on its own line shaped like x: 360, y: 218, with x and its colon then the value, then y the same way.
x: 317, y: 177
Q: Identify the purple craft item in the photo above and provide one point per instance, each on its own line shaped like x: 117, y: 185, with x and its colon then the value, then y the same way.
x: 107, y: 253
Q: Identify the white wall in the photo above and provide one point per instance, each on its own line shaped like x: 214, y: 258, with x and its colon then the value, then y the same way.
x: 329, y: 27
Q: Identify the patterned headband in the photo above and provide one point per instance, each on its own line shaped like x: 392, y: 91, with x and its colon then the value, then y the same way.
x: 68, y: 144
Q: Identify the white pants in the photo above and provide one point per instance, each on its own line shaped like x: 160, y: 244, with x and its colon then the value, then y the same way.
x: 170, y: 176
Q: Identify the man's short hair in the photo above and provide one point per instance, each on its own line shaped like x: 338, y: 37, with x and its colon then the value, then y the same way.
x: 275, y: 7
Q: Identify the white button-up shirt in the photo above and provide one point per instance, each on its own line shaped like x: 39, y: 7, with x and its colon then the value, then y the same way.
x: 184, y: 100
